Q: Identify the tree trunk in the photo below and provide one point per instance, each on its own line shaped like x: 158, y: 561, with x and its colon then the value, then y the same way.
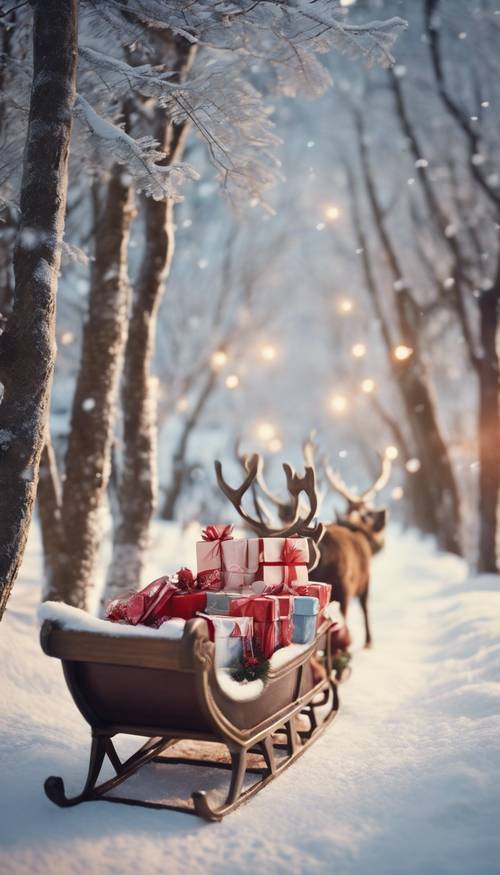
x: 94, y: 402
x: 49, y: 502
x: 137, y: 490
x: 28, y: 348
x: 489, y: 429
x: 436, y: 469
x: 179, y: 468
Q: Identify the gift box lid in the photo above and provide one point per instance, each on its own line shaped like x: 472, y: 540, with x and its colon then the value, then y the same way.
x: 305, y: 605
x: 322, y: 591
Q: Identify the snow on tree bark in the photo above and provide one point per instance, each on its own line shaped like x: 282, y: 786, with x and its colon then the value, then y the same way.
x: 28, y: 347
x: 94, y: 403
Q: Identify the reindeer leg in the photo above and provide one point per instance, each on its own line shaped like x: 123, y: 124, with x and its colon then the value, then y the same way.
x: 364, y: 607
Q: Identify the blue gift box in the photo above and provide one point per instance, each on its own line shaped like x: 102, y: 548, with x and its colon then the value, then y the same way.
x: 218, y: 602
x: 305, y: 618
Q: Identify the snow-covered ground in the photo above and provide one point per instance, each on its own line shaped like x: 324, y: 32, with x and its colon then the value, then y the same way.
x: 406, y: 780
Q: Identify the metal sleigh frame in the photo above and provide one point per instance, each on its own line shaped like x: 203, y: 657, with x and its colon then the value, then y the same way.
x: 168, y: 691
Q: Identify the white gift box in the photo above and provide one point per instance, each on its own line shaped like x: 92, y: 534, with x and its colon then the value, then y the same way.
x: 267, y: 559
x: 230, y: 634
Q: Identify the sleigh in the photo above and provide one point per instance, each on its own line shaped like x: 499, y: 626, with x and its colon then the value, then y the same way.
x: 169, y: 690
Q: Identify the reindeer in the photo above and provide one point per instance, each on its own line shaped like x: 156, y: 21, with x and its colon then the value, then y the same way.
x: 347, y: 545
x: 350, y: 542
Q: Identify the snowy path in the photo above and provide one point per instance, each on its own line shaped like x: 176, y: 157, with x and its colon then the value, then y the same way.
x: 405, y: 781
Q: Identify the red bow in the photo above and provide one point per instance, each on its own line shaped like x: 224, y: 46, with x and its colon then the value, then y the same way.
x: 218, y: 533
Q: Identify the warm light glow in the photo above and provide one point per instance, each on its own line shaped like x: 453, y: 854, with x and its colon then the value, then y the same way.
x: 218, y: 359
x: 232, y: 381
x: 182, y: 404
x: 391, y: 453
x: 402, y: 352
x: 397, y: 493
x: 413, y: 465
x: 347, y: 2
x: 67, y: 337
x: 368, y: 386
x: 268, y: 352
x: 275, y: 445
x: 266, y: 431
x: 358, y: 350
x: 344, y: 305
x: 338, y: 403
x: 332, y: 213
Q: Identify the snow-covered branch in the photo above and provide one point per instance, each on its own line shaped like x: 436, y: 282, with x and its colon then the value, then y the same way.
x: 140, y: 157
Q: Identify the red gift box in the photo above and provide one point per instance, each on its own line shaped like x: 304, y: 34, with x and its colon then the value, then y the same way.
x: 186, y: 604
x: 321, y: 591
x: 157, y: 602
x: 265, y: 613
x: 285, y: 608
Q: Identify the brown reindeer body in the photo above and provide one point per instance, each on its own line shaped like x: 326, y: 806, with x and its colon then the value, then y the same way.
x: 346, y: 550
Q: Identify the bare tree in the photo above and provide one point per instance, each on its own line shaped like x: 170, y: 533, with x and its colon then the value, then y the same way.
x: 483, y: 354
x: 94, y: 403
x: 27, y: 347
x: 438, y: 483
x: 137, y: 480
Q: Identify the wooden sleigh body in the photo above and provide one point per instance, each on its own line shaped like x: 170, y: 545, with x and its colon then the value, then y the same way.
x: 169, y: 690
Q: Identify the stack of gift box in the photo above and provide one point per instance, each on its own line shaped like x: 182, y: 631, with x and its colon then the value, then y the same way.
x: 264, y: 580
x: 254, y: 594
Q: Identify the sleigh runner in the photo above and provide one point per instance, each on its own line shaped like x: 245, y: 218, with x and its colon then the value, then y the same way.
x: 169, y: 691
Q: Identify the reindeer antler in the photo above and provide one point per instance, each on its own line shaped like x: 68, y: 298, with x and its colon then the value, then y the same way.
x: 382, y: 479
x: 295, y: 485
x: 286, y: 509
x: 358, y: 501
x: 262, y: 512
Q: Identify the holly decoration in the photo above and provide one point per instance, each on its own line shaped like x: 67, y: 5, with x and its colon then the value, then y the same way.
x: 340, y: 662
x: 252, y: 668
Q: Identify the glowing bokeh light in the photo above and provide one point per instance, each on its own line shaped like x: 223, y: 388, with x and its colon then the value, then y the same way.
x: 368, y: 386
x: 268, y: 352
x: 218, y: 359
x: 275, y: 445
x: 402, y: 352
x: 413, y: 465
x: 391, y: 453
x: 338, y: 403
x: 265, y: 431
x: 332, y: 213
x: 232, y: 381
x: 358, y: 350
x: 344, y: 305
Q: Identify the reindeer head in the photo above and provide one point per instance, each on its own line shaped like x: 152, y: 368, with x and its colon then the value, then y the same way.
x: 298, y: 522
x: 360, y: 515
